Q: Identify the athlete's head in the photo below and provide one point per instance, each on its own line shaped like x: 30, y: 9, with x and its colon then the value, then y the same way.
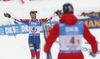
x: 33, y: 14
x: 68, y: 8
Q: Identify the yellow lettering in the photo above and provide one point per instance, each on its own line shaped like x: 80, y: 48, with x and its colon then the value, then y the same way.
x: 91, y: 23
x: 97, y: 23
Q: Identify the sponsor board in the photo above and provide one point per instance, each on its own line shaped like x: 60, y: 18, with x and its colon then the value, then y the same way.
x: 92, y: 23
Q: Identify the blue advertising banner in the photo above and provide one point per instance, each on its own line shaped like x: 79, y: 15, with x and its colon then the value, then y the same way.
x: 92, y: 23
x: 24, y: 28
x: 2, y: 30
x: 9, y: 30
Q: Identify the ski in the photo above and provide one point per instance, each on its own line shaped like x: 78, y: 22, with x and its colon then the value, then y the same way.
x: 45, y: 32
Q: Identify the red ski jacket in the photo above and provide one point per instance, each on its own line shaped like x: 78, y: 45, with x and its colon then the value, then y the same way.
x: 70, y: 19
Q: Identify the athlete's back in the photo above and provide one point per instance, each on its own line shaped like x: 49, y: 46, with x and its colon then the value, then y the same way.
x: 70, y: 33
x: 70, y: 37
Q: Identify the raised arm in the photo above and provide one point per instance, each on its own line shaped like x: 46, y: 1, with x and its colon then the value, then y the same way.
x: 47, y: 19
x: 26, y: 21
x: 17, y: 19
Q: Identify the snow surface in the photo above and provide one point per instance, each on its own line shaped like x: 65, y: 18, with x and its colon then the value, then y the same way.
x: 11, y: 48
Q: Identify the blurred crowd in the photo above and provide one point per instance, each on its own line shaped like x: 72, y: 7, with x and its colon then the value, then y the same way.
x: 5, y: 0
x: 12, y: 0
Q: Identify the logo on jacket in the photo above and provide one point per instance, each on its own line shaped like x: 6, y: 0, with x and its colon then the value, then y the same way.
x: 72, y: 29
x: 33, y: 23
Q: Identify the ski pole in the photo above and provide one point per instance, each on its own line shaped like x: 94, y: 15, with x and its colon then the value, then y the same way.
x: 12, y: 29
